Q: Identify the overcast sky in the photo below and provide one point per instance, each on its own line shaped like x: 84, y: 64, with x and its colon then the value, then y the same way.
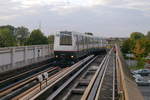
x: 108, y: 18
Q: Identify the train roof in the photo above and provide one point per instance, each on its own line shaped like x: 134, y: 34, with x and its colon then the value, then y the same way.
x: 79, y: 33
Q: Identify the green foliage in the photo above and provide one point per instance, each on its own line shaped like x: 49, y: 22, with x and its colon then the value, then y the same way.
x: 6, y: 37
x: 138, y: 50
x: 51, y: 39
x: 145, y: 44
x: 139, y: 45
x: 136, y: 35
x: 141, y: 62
x: 22, y: 33
x: 11, y: 29
x: 148, y: 34
x: 11, y: 36
x: 37, y: 38
x: 135, y: 44
x: 136, y: 67
x: 127, y: 46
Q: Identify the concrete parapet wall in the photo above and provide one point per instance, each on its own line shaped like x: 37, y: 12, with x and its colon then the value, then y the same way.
x: 16, y: 57
x: 127, y: 88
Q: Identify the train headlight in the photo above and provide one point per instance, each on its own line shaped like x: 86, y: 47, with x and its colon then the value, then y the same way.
x: 72, y: 56
x: 56, y: 56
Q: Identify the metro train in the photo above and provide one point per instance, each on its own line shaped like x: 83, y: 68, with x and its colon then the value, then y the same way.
x: 74, y: 45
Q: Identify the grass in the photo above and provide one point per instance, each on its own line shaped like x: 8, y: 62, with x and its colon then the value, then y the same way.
x: 136, y: 67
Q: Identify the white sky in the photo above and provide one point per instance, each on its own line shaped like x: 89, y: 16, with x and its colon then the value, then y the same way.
x: 103, y: 17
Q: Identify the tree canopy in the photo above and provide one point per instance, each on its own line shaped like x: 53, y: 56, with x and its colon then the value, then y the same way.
x: 138, y: 50
x: 139, y: 45
x: 11, y: 29
x: 136, y: 35
x: 148, y: 34
x: 6, y: 38
x: 37, y: 38
x: 20, y: 36
x: 127, y: 45
x: 22, y: 33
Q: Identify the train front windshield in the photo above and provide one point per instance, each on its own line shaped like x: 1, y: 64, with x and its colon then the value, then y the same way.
x: 65, y: 38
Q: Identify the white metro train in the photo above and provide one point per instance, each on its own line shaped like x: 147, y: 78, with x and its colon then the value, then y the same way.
x: 73, y: 45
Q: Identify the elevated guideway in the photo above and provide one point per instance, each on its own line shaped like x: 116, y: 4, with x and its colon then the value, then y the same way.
x: 96, y: 77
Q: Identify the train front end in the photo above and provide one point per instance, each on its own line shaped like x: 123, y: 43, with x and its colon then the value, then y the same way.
x: 64, y: 46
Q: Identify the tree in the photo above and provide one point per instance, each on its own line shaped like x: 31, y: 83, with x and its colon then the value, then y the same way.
x: 145, y: 43
x: 6, y: 38
x: 138, y: 50
x: 22, y: 34
x: 37, y: 38
x: 148, y: 34
x: 136, y: 35
x: 126, y: 46
x: 139, y: 45
x: 12, y: 29
x: 51, y: 39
